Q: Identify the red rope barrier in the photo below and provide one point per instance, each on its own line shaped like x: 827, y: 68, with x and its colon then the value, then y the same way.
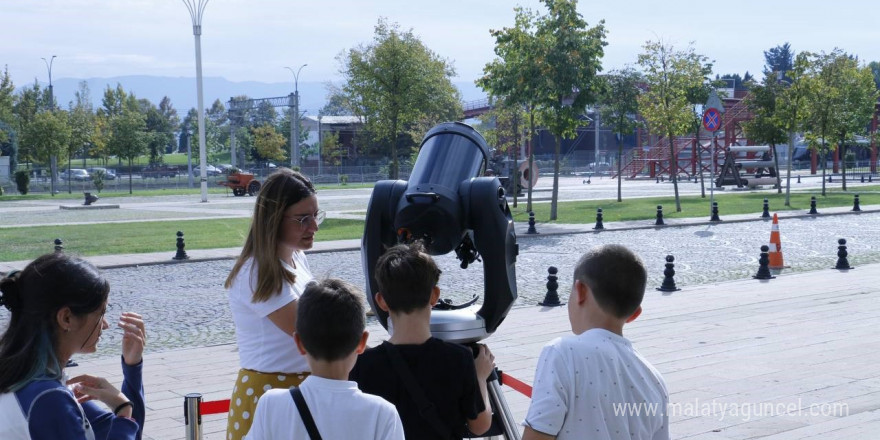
x: 222, y: 406
x: 517, y: 385
x: 214, y: 407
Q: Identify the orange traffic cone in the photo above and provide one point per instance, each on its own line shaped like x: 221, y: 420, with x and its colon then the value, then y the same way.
x: 775, y: 253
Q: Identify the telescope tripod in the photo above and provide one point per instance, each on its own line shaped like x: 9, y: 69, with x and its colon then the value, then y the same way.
x: 503, y: 423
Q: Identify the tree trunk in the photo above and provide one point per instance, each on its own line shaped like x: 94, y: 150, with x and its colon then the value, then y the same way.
x: 842, y: 153
x: 824, y: 159
x: 698, y: 151
x: 531, y: 159
x: 673, y: 171
x: 129, y: 175
x: 393, y: 172
x: 514, y: 176
x: 619, y: 169
x: 776, y: 164
x: 68, y: 173
x: 788, y: 167
x: 555, y: 197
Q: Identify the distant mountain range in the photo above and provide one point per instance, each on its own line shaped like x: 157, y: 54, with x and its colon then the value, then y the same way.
x: 182, y: 91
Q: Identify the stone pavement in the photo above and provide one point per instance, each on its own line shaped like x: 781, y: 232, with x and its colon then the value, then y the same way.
x: 796, y: 357
x: 544, y: 229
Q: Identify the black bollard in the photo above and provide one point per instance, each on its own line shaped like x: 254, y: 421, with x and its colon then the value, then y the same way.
x: 656, y: 179
x: 863, y: 178
x: 799, y: 178
x: 181, y: 253
x: 842, y: 262
x: 532, y: 229
x: 813, y: 206
x: 599, y: 226
x: 659, y: 221
x: 662, y: 178
x: 59, y: 245
x: 766, y: 213
x: 856, y: 206
x: 764, y: 265
x: 551, y: 299
x: 715, y: 217
x: 829, y: 179
x: 668, y: 274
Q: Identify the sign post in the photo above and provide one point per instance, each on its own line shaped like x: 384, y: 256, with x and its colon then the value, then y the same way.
x: 712, y: 122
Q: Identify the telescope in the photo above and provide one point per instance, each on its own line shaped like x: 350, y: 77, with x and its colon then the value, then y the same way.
x: 448, y: 206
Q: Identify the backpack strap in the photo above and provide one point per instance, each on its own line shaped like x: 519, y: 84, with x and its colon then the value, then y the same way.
x: 427, y: 410
x: 304, y: 413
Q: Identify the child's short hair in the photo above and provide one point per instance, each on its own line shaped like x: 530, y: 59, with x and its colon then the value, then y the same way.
x: 330, y: 319
x: 616, y: 276
x: 406, y: 274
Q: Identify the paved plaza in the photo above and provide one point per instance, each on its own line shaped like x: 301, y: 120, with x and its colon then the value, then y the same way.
x: 790, y: 358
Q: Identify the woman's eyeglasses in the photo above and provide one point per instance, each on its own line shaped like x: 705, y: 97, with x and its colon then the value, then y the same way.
x: 306, y: 220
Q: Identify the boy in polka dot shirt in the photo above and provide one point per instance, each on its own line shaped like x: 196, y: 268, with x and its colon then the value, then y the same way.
x: 594, y: 384
x: 330, y: 323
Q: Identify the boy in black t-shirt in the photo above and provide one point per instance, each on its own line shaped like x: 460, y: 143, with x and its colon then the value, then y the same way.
x: 447, y: 374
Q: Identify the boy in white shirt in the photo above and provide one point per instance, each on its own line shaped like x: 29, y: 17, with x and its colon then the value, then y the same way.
x: 593, y: 384
x: 330, y: 333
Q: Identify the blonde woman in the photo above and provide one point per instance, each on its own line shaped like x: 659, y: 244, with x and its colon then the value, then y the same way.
x: 264, y: 285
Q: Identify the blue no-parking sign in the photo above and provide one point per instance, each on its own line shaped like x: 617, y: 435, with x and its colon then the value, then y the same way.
x: 712, y: 119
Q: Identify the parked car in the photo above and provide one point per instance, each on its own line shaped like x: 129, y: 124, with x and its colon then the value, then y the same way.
x: 77, y: 174
x: 210, y: 170
x: 159, y: 170
x: 108, y: 173
x: 224, y: 168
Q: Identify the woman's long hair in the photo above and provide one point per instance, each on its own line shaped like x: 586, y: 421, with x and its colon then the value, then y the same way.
x: 282, y: 189
x: 34, y: 296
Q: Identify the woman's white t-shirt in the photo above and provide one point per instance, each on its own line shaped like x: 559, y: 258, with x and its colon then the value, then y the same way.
x: 262, y: 346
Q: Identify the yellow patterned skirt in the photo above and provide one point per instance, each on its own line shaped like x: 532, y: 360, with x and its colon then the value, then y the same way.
x: 249, y: 386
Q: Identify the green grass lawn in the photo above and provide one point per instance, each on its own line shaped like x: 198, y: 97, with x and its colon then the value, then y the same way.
x: 129, y: 238
x: 123, y: 192
x: 583, y: 212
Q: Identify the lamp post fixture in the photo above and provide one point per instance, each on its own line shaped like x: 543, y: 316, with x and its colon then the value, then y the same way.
x: 196, y: 10
x: 53, y: 160
x: 294, y: 119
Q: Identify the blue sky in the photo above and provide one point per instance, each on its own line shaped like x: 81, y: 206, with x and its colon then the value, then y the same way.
x: 254, y: 39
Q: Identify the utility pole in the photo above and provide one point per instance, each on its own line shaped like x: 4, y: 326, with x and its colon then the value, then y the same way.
x: 294, y: 118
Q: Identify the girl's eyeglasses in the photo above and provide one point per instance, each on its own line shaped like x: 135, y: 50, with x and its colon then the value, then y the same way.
x: 305, y: 220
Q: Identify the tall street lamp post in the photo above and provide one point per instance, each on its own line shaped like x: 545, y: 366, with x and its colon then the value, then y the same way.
x: 294, y: 119
x: 196, y: 10
x: 53, y: 159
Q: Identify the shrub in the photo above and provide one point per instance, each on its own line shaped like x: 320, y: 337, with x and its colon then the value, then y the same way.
x: 343, y: 179
x: 22, y: 181
x: 98, y: 180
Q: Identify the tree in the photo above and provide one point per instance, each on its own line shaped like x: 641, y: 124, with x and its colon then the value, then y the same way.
x: 26, y: 105
x: 48, y: 133
x: 513, y: 77
x: 697, y: 96
x: 7, y: 95
x: 8, y: 142
x: 81, y: 119
x: 669, y: 74
x: 833, y: 105
x: 268, y: 143
x: 113, y: 101
x: 792, y: 110
x: 170, y: 121
x: 337, y: 104
x: 619, y: 107
x: 332, y: 150
x: 858, y: 96
x: 127, y: 139
x: 767, y: 125
x: 570, y: 56
x: 395, y: 81
x: 100, y: 139
x: 778, y: 59
x: 875, y: 71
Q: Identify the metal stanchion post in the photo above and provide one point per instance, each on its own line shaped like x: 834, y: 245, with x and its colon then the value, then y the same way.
x: 192, y: 416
